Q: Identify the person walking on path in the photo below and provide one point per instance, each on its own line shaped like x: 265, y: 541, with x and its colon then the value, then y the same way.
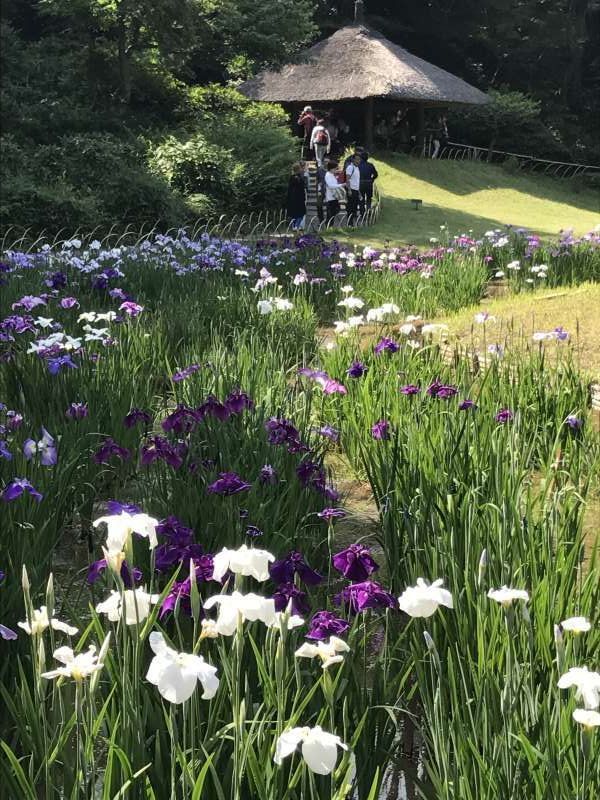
x: 332, y: 191
x: 296, y: 198
x: 307, y: 122
x: 321, y: 142
x: 353, y: 181
x: 368, y: 174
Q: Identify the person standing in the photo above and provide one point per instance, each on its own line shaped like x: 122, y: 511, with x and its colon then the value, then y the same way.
x: 368, y: 175
x: 321, y: 172
x: 332, y: 191
x: 307, y: 122
x: 321, y: 142
x: 296, y: 198
x: 353, y: 181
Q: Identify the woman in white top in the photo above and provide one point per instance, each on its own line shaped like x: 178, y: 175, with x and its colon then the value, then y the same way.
x: 353, y: 184
x: 321, y: 141
x: 332, y: 191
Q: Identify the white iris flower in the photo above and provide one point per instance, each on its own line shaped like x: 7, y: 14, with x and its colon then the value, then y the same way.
x: 423, y: 600
x: 319, y: 748
x: 243, y: 561
x: 176, y: 674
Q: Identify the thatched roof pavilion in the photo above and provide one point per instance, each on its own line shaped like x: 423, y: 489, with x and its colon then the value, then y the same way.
x: 358, y: 63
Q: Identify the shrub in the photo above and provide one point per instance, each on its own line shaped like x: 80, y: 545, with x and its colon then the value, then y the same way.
x: 240, y: 159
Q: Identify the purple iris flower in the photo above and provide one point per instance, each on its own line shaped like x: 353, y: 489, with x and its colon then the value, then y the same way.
x: 253, y: 531
x: 110, y: 449
x: 332, y: 513
x: 115, y: 507
x: 560, y: 333
x: 158, y: 448
x: 179, y: 546
x: 182, y: 420
x: 355, y: 562
x: 7, y: 633
x: 45, y: 449
x: 311, y: 474
x: 441, y: 390
x: 410, y: 389
x: 282, y: 432
x: 181, y: 590
x: 308, y: 372
x: 69, y: 302
x: 28, y: 302
x: 117, y: 293
x: 135, y: 416
x: 287, y: 592
x: 131, y: 309
x: 504, y: 415
x: 328, y: 492
x: 59, y: 362
x: 77, y: 411
x: 212, y: 407
x: 575, y: 423
x: 357, y: 369
x: 381, y: 429
x: 331, y: 386
x: 268, y: 474
x: 184, y: 373
x: 386, y: 344
x: 325, y: 624
x: 18, y: 324
x: 329, y: 432
x: 284, y: 569
x: 16, y: 487
x: 467, y: 404
x: 58, y: 280
x: 4, y: 451
x: 129, y: 576
x: 14, y: 420
x: 228, y: 483
x: 237, y: 402
x: 368, y: 594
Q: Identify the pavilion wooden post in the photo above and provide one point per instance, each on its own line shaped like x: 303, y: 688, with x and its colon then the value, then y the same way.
x: 369, y: 104
x: 420, y: 127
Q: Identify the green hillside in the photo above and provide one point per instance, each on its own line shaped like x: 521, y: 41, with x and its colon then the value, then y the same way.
x: 468, y: 196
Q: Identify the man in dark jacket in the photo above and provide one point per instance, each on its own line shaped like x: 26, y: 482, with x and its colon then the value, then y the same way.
x: 368, y: 174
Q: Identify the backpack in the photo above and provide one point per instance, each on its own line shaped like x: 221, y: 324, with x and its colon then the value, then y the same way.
x: 321, y: 137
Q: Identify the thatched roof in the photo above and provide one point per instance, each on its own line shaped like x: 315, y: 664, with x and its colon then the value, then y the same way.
x: 359, y: 62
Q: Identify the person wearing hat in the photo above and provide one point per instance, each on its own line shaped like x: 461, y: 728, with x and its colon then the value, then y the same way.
x: 307, y: 122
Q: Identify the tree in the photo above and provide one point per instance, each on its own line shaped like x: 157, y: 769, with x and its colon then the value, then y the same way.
x: 132, y: 27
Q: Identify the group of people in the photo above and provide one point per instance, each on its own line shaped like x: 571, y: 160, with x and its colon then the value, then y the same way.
x: 352, y: 183
x: 323, y: 133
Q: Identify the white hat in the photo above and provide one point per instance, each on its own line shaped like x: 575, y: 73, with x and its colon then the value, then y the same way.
x: 307, y: 108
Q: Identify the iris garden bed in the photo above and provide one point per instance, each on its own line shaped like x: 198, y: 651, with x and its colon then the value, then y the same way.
x: 179, y: 391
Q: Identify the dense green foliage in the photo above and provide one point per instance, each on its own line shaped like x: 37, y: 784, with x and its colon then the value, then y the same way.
x: 101, y: 125
x: 106, y: 119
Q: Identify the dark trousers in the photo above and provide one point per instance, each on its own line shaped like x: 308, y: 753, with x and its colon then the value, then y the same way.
x: 352, y: 206
x: 366, y: 195
x: 306, y: 148
x: 333, y: 208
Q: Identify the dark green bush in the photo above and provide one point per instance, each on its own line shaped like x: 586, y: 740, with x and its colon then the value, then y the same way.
x: 84, y: 181
x: 241, y: 157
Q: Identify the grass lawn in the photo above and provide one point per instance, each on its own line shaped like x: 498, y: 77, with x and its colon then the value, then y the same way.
x: 518, y: 316
x: 472, y: 196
